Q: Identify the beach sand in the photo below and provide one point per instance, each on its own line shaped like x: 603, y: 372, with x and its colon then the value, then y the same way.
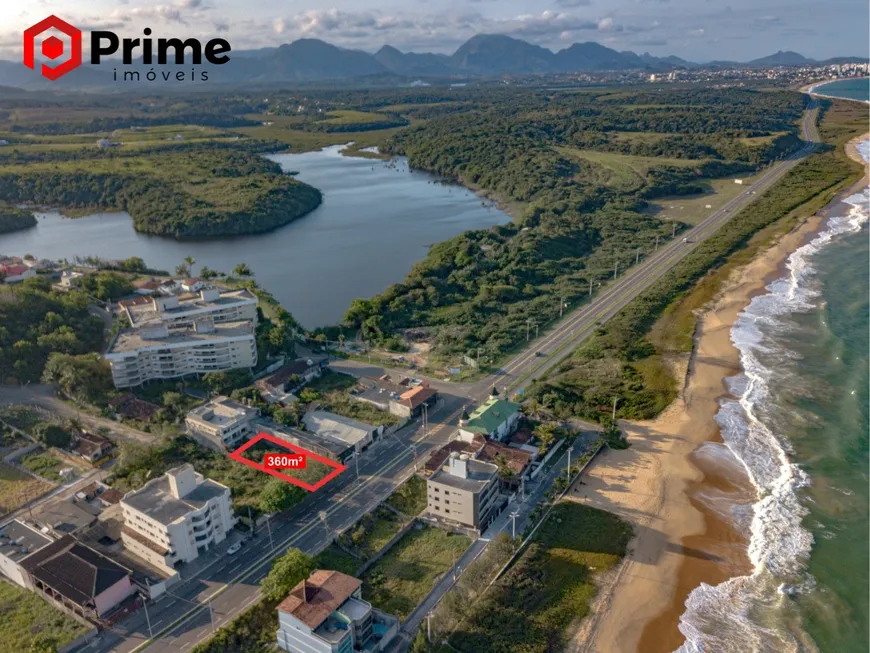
x: 666, y: 484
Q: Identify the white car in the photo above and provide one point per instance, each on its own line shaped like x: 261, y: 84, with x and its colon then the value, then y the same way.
x: 234, y: 548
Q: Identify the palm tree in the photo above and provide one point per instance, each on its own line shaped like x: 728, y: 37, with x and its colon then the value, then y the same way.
x: 189, y: 260
x: 242, y: 270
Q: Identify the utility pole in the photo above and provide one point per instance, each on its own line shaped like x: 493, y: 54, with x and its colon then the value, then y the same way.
x: 322, y: 514
x: 522, y: 488
x: 536, y: 330
x: 674, y: 230
x: 615, y: 399
x: 269, y: 526
x: 528, y: 326
x: 454, y: 566
x: 514, y: 516
x: 211, y: 615
x: 356, y: 458
x: 562, y: 306
x: 637, y: 256
x: 615, y: 268
x: 568, y: 470
x: 253, y: 523
x: 590, y: 286
x: 657, y: 242
x: 147, y: 618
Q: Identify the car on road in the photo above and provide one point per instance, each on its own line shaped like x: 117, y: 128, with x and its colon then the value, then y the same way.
x: 540, y: 354
x: 234, y: 548
x: 686, y: 240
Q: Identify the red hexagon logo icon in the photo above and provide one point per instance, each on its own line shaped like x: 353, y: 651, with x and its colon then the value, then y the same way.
x: 53, y: 47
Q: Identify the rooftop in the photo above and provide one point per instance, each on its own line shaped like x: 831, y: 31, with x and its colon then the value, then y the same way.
x: 488, y: 417
x: 320, y: 444
x: 283, y: 374
x: 76, y: 571
x: 318, y: 596
x: 221, y: 411
x: 436, y: 460
x: 349, y: 431
x: 18, y: 540
x: 130, y: 340
x: 515, y: 459
x: 63, y: 517
x: 478, y: 476
x: 156, y: 500
x: 148, y: 311
x: 416, y: 396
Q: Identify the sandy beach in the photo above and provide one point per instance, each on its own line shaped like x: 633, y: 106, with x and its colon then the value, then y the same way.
x: 674, y: 480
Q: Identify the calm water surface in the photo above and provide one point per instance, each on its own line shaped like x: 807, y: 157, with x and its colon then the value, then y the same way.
x: 377, y: 219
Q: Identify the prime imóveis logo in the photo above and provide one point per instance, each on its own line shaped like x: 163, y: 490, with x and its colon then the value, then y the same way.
x: 53, y: 48
x: 104, y: 43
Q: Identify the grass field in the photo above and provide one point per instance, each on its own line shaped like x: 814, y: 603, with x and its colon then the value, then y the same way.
x: 691, y: 209
x: 400, y: 580
x: 410, y: 498
x: 334, y: 558
x: 342, y: 117
x: 550, y: 586
x: 626, y: 172
x: 298, y: 140
x: 43, y: 464
x: 28, y: 624
x: 17, y: 488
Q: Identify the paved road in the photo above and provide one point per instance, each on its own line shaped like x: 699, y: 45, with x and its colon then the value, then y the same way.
x: 43, y: 396
x: 233, y: 586
x: 547, y: 351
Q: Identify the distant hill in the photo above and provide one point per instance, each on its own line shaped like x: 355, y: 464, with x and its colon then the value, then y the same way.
x: 311, y: 60
x: 787, y: 58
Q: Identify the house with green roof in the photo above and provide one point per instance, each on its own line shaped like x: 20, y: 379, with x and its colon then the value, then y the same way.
x: 496, y: 419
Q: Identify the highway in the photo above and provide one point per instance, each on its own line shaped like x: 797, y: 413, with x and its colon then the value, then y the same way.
x: 185, y: 619
x: 545, y: 352
x: 181, y: 621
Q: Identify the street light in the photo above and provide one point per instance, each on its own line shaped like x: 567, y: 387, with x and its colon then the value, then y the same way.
x: 514, y: 516
x: 322, y: 514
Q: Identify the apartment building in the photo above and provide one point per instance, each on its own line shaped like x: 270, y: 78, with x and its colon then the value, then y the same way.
x: 222, y: 423
x: 210, y: 303
x: 174, y: 517
x: 325, y: 613
x: 464, y: 491
x: 158, y: 350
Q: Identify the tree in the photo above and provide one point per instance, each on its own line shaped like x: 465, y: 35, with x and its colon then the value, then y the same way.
x: 52, y: 435
x: 545, y: 433
x: 242, y: 270
x: 207, y: 273
x: 308, y: 395
x: 85, y: 378
x: 505, y: 473
x: 189, y: 261
x: 287, y: 572
x: 279, y: 495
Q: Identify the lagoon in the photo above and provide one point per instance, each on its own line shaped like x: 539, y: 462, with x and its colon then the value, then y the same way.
x: 377, y: 219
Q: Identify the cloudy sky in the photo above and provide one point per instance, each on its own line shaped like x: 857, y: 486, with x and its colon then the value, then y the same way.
x: 698, y: 30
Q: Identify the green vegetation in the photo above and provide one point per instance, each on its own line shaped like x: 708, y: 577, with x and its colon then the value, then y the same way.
x: 580, y: 191
x: 398, y: 582
x: 621, y: 360
x: 199, y: 191
x: 17, y: 488
x: 253, y: 631
x: 549, y: 586
x: 330, y: 389
x: 371, y: 533
x: 43, y: 464
x: 138, y: 463
x: 29, y: 624
x: 333, y: 557
x: 14, y: 219
x: 108, y: 286
x: 410, y: 497
x: 36, y: 321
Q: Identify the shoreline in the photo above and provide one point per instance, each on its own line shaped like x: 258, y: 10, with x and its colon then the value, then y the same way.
x: 810, y: 89
x: 677, y: 471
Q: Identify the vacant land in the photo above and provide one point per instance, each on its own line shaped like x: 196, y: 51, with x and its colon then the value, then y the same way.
x: 626, y: 172
x: 400, y: 580
x: 298, y: 140
x: 410, y: 498
x: 691, y: 209
x: 28, y: 624
x: 17, y: 488
x: 44, y: 464
x: 551, y: 584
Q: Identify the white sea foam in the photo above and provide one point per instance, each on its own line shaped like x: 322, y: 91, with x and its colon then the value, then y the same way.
x: 740, y: 615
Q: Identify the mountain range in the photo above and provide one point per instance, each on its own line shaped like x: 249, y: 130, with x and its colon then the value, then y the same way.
x: 488, y: 55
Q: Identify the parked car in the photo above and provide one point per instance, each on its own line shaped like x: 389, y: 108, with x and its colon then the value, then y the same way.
x: 234, y: 548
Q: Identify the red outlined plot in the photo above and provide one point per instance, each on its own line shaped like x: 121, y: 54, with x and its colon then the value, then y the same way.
x: 238, y: 457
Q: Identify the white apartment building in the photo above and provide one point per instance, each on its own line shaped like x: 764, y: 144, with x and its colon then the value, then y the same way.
x: 175, y: 517
x: 223, y: 422
x: 464, y: 491
x: 157, y: 350
x: 325, y: 613
x: 219, y: 307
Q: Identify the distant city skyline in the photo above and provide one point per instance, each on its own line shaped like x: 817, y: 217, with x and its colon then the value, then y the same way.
x: 698, y: 30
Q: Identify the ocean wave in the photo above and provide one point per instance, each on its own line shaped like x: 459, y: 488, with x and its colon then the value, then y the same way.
x: 745, y: 614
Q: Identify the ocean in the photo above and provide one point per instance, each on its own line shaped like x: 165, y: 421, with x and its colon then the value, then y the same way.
x: 853, y: 89
x: 798, y: 421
